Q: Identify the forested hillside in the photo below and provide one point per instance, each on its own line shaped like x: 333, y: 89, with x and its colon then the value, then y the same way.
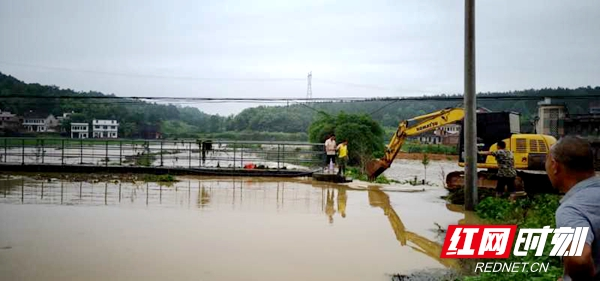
x: 273, y: 122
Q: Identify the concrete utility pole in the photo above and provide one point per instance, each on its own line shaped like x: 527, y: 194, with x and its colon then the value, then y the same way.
x: 309, y: 86
x: 470, y: 109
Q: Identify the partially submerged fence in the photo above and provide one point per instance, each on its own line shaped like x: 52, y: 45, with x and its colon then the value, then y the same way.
x: 163, y: 153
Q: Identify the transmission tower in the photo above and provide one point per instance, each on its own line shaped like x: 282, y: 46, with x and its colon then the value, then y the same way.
x: 309, y: 89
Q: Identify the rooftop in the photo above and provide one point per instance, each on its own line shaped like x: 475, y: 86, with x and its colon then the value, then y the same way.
x: 551, y: 102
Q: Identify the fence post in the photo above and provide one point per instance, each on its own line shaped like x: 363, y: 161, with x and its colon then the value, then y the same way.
x: 22, y: 151
x: 106, y: 154
x: 242, y: 156
x: 5, y: 155
x: 43, y: 151
x: 161, y: 153
x: 190, y: 155
x: 62, y: 153
x: 81, y: 151
x: 283, y: 154
x: 234, y: 145
x: 278, y: 155
x: 120, y: 153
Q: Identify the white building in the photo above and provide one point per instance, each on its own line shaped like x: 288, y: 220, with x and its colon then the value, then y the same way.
x: 105, y: 129
x: 551, y: 117
x: 36, y: 122
x: 80, y: 130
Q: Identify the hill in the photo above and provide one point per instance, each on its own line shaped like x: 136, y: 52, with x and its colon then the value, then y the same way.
x: 260, y: 123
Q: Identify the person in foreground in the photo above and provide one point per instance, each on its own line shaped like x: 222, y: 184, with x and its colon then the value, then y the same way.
x: 570, y: 167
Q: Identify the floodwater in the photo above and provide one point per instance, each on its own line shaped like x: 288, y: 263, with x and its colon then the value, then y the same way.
x: 217, y: 229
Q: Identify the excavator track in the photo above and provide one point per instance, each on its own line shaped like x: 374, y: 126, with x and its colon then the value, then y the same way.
x: 530, y: 182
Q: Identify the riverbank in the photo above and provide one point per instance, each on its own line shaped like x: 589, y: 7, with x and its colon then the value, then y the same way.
x: 419, y: 156
x: 523, y: 212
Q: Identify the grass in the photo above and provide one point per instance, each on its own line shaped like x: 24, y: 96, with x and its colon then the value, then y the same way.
x: 355, y: 173
x: 159, y: 178
x: 414, y: 147
x: 145, y: 159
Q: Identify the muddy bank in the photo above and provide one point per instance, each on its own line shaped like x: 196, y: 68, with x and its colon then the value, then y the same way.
x: 419, y: 156
x: 90, y: 177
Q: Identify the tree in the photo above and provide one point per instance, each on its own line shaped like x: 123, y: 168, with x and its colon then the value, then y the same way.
x: 364, y: 135
x: 425, y: 163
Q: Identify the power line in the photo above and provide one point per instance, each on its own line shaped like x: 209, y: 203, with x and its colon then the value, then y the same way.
x: 211, y: 79
x: 339, y: 99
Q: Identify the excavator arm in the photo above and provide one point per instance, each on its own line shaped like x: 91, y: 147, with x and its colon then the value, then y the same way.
x: 411, y: 127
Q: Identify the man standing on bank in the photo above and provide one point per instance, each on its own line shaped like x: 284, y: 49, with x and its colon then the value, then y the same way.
x: 570, y: 167
x: 506, y: 169
x: 330, y: 149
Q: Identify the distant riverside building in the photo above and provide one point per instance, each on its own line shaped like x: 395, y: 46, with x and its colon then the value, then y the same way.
x: 595, y: 107
x: 105, y: 128
x: 9, y: 121
x: 39, y: 122
x: 551, y: 118
x: 80, y: 130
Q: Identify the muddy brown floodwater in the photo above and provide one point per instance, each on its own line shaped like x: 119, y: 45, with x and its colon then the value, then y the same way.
x: 216, y: 229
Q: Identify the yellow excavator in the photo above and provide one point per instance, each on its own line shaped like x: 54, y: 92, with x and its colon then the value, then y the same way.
x: 378, y: 198
x: 412, y: 127
x: 529, y: 150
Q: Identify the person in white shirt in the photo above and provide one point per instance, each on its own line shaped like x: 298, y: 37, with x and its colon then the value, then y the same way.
x: 330, y: 149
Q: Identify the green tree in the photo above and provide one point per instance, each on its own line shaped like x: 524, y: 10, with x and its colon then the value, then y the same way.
x: 364, y: 135
x: 425, y: 163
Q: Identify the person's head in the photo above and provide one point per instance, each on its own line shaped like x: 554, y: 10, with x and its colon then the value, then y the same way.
x: 569, y: 161
x: 332, y: 137
x: 345, y: 142
x: 501, y: 145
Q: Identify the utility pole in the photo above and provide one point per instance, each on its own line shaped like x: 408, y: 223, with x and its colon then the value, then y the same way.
x: 309, y: 88
x: 470, y: 101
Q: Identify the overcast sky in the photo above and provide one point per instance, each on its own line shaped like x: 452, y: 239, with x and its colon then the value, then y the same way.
x: 354, y: 48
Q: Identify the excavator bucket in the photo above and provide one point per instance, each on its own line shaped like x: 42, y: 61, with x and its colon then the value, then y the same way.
x: 376, y: 168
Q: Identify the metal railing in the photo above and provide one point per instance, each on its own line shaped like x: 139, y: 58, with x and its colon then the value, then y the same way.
x: 162, y: 153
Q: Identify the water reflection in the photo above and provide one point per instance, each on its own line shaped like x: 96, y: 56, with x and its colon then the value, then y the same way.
x: 329, y: 207
x: 204, y: 197
x: 378, y: 198
x: 341, y: 200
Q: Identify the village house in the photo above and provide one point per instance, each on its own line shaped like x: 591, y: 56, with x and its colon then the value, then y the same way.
x: 80, y: 130
x: 9, y: 122
x: 39, y: 122
x: 105, y: 129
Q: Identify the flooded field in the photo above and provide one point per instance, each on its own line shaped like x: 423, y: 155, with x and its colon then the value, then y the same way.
x: 167, y: 154
x: 219, y: 229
